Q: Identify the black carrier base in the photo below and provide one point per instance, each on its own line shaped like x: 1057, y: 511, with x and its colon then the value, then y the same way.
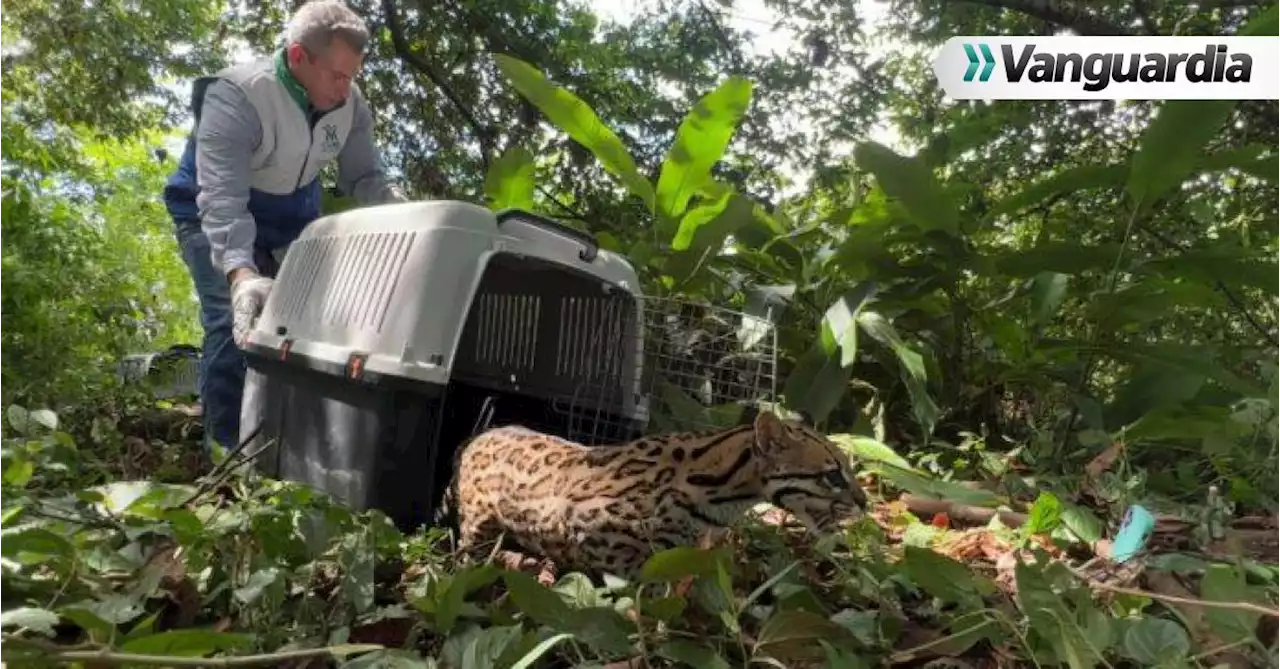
x: 382, y: 442
x: 369, y: 444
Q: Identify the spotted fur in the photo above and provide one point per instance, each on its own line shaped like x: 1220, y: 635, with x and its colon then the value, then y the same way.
x: 607, y: 509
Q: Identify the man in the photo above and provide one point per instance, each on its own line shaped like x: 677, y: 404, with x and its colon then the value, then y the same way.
x: 247, y: 183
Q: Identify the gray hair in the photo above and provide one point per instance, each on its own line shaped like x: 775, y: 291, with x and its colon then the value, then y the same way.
x: 318, y: 22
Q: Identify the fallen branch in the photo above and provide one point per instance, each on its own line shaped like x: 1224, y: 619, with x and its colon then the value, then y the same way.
x: 223, y: 470
x: 975, y: 515
x: 108, y: 657
x: 1173, y: 599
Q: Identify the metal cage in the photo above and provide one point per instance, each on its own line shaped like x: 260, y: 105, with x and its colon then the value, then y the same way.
x: 604, y: 358
x: 173, y: 372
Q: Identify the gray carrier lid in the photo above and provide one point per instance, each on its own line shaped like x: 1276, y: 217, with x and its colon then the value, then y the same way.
x: 391, y: 285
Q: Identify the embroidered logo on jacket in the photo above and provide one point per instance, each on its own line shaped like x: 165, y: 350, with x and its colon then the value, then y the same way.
x: 331, y: 144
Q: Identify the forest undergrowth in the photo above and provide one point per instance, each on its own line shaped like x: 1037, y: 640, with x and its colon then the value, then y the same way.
x: 122, y: 547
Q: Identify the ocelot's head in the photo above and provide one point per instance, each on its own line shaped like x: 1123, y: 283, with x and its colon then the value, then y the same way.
x: 806, y: 473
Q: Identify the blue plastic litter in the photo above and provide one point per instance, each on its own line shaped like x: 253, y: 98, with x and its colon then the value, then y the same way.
x: 1134, y: 533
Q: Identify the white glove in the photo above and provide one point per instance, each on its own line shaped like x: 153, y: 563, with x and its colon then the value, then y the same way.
x: 395, y: 194
x: 247, y: 299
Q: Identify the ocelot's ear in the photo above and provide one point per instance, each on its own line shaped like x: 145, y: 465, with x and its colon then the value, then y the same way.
x: 769, y: 433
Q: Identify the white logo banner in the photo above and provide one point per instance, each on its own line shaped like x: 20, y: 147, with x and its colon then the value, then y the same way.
x: 1109, y: 68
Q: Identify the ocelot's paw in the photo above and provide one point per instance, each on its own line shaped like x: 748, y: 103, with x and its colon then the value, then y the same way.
x: 543, y: 568
x: 547, y: 572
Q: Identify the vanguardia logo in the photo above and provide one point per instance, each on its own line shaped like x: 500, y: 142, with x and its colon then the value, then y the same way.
x: 988, y: 62
x: 1072, y: 67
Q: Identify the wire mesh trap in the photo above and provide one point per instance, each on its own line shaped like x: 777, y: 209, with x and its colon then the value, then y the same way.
x: 170, y: 373
x: 608, y: 360
x: 704, y: 364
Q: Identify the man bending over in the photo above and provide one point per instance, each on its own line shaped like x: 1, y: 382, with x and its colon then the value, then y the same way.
x: 248, y: 181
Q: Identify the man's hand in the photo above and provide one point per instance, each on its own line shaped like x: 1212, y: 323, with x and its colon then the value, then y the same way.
x: 396, y: 194
x: 248, y: 295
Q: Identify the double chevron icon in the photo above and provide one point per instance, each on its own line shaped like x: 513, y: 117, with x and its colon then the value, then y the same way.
x: 988, y: 62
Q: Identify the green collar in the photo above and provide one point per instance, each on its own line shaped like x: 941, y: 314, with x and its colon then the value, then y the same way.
x: 296, y: 91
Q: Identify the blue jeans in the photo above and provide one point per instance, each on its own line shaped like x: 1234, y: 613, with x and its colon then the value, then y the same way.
x: 222, y: 365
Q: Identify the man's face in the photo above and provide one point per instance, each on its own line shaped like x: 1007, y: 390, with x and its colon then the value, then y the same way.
x: 327, y: 75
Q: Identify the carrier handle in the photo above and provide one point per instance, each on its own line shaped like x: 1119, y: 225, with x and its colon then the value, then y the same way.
x: 589, y: 246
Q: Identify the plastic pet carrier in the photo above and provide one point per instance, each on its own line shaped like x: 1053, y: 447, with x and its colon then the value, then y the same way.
x: 396, y: 332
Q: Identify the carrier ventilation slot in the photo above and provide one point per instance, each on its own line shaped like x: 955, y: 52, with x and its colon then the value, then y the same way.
x: 592, y: 339
x: 348, y: 280
x: 507, y: 331
x: 300, y: 274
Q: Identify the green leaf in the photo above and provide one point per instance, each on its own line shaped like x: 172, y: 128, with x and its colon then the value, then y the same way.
x: 489, y: 644
x: 358, y: 557
x: 705, y: 228
x: 1151, y: 298
x: 99, y: 630
x: 450, y: 597
x: 32, y: 545
x: 1047, y: 292
x: 1223, y: 583
x: 964, y: 632
x: 1266, y: 169
x: 114, y: 609
x: 1051, y: 619
x: 1192, y: 358
x: 943, y: 577
x: 257, y: 584
x: 540, y: 650
x: 911, y: 367
x: 536, y: 601
x: 1082, y: 522
x: 841, y: 318
x: 666, y: 609
x: 602, y: 628
x: 794, y: 634
x: 1045, y: 515
x: 45, y: 418
x: 911, y: 182
x: 18, y: 418
x: 1067, y: 181
x: 1063, y: 257
x: 693, y: 654
x: 821, y: 375
x: 1208, y: 264
x: 36, y: 620
x: 866, y: 448
x: 923, y: 486
x: 1152, y: 641
x: 187, y: 643
x: 1153, y: 386
x: 700, y: 216
x: 120, y: 495
x: 1172, y: 424
x: 575, y: 117
x: 19, y: 472
x: 1170, y: 147
x: 700, y: 141
x: 674, y: 564
x: 390, y: 658
x: 509, y: 183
